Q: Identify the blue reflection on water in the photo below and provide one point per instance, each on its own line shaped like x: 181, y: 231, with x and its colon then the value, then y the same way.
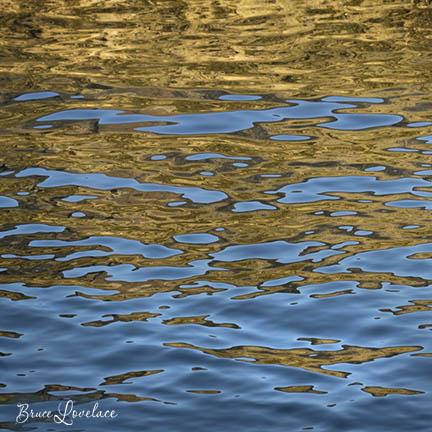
x: 8, y: 202
x: 31, y: 229
x: 36, y: 96
x: 196, y: 238
x: 102, y: 181
x: 118, y: 245
x: 396, y: 261
x: 234, y: 121
x: 239, y: 97
x: 316, y: 189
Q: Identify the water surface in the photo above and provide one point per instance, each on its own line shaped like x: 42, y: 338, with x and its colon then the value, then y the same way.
x: 216, y: 216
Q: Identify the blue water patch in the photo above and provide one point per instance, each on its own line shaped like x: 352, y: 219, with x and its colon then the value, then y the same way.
x: 343, y: 213
x: 43, y: 127
x: 401, y: 150
x: 233, y: 121
x: 29, y: 257
x: 207, y: 156
x: 419, y: 124
x: 104, y: 182
x: 352, y: 99
x: 395, y: 261
x: 176, y: 203
x: 427, y: 139
x: 118, y: 245
x: 36, y: 96
x: 376, y: 168
x: 362, y: 233
x: 279, y: 250
x: 130, y: 273
x: 6, y: 202
x: 345, y: 243
x: 32, y: 229
x: 362, y: 121
x: 316, y: 189
x: 410, y: 204
x: 249, y: 206
x: 239, y: 97
x: 78, y: 198
x: 196, y: 238
x: 290, y: 137
x: 281, y: 281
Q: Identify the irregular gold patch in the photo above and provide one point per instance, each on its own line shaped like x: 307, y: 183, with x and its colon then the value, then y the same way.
x: 384, y: 391
x: 60, y: 387
x: 134, y: 316
x: 417, y: 306
x: 119, y: 379
x: 420, y: 255
x: 300, y: 389
x: 14, y: 295
x: 333, y: 294
x: 132, y: 398
x: 304, y: 358
x: 201, y: 320
x: 186, y: 292
x: 10, y: 334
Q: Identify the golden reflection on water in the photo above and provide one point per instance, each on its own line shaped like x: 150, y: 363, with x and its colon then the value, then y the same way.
x: 90, y: 395
x: 201, y: 320
x: 304, y: 358
x: 119, y: 379
x: 300, y: 47
x: 382, y: 391
x: 134, y: 316
x: 300, y: 389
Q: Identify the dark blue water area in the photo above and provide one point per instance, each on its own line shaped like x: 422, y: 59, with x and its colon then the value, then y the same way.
x: 224, y: 323
x: 248, y: 392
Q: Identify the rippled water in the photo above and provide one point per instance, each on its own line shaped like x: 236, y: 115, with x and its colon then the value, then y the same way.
x: 216, y: 216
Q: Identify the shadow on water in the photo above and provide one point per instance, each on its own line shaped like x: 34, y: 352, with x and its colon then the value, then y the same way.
x: 215, y: 216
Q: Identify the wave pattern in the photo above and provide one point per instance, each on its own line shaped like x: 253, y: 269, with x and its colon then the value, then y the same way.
x: 195, y: 261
